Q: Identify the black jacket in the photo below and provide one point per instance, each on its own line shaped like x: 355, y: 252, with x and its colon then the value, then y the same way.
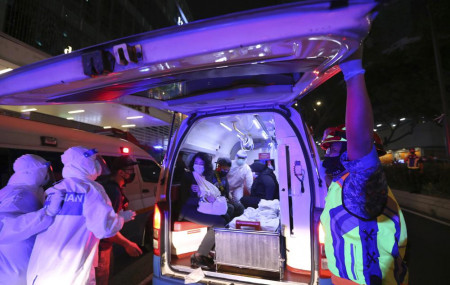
x: 265, y: 186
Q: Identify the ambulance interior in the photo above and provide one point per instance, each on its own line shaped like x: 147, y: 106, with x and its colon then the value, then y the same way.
x: 266, y: 136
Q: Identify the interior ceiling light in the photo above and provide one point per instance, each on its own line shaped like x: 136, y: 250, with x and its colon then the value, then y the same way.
x: 135, y: 117
x: 264, y: 134
x: 263, y: 126
x: 28, y: 110
x: 5, y: 70
x: 70, y: 118
x: 76, y: 111
x: 256, y: 123
x: 402, y: 119
x: 226, y: 127
x: 107, y: 127
x: 129, y: 126
x: 379, y: 125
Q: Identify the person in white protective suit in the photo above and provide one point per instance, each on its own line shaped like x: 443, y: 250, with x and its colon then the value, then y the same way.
x: 67, y: 251
x: 240, y: 176
x: 22, y: 215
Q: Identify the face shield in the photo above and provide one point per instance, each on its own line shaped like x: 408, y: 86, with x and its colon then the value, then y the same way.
x: 101, y: 168
x: 49, y: 178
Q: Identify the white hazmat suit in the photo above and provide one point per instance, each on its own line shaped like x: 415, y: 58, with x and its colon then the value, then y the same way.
x: 240, y: 176
x: 22, y: 216
x: 66, y: 252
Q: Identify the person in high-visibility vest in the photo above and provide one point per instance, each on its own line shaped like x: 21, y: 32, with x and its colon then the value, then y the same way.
x: 365, y: 233
x: 415, y: 170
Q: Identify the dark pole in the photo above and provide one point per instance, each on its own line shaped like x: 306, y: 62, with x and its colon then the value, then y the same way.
x: 437, y: 58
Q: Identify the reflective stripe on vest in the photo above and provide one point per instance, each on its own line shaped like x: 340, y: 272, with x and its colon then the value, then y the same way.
x: 366, y: 252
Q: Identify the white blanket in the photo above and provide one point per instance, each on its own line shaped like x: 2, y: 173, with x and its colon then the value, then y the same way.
x: 267, y: 213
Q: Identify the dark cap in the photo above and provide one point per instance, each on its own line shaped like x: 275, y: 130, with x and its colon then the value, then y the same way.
x: 122, y: 162
x: 257, y: 167
x: 223, y: 161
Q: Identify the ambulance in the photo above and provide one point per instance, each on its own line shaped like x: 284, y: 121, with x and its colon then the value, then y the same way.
x: 22, y: 136
x: 236, y: 77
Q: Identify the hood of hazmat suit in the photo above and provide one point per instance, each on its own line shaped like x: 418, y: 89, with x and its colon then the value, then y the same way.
x: 240, y: 176
x: 65, y: 253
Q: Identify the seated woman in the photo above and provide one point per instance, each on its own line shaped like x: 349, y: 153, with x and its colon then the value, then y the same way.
x: 265, y: 186
x: 200, y: 169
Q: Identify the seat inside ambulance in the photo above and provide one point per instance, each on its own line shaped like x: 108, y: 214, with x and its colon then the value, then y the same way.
x: 267, y: 137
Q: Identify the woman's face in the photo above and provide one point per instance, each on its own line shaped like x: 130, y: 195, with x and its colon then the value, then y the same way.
x: 199, y: 165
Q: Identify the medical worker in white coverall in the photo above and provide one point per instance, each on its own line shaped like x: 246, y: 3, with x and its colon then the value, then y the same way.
x: 67, y: 251
x: 240, y: 176
x: 22, y: 215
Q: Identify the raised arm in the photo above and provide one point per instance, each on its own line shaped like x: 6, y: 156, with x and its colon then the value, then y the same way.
x: 359, y: 116
x: 365, y: 190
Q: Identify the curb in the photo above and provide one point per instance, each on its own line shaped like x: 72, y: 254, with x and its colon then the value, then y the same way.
x: 435, y: 207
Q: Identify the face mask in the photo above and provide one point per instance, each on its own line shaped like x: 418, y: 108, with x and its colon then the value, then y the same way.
x: 240, y: 161
x: 199, y: 168
x: 223, y: 173
x: 333, y: 166
x: 130, y: 178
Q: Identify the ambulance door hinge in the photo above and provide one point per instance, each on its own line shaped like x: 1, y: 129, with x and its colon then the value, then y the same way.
x: 97, y: 62
x: 285, y: 110
x: 124, y: 54
x: 191, y: 119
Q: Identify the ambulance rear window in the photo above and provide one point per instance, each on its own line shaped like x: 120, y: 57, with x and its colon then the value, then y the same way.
x: 149, y: 170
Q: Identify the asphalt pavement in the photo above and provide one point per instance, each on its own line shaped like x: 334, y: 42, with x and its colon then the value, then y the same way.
x: 428, y: 250
x: 138, y: 271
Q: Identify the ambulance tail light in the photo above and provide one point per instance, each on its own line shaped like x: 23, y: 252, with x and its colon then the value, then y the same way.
x: 157, y: 218
x: 125, y: 150
x: 323, y: 263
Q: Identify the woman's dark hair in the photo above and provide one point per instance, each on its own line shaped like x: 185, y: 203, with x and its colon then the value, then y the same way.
x: 206, y: 159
